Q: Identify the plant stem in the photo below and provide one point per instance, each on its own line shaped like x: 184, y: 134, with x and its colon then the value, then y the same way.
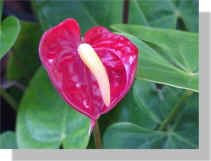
x: 97, y: 136
x: 176, y: 108
x: 9, y: 99
x: 125, y: 12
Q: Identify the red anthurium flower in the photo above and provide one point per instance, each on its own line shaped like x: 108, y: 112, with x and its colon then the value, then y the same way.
x: 92, y: 74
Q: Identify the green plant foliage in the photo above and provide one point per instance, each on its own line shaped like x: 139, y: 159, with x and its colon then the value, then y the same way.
x: 151, y: 100
x: 159, y: 13
x: 24, y: 59
x: 9, y: 30
x: 166, y: 56
x: 25, y: 51
x: 8, y: 140
x: 165, y: 13
x: 139, y: 116
x: 87, y: 13
x: 46, y: 121
x: 160, y: 111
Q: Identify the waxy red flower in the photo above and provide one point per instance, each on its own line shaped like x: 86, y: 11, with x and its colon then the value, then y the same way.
x: 93, y: 73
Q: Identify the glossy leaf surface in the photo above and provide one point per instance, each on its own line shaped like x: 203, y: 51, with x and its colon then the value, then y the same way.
x: 145, y: 105
x: 87, y: 13
x: 9, y: 30
x: 152, y: 107
x: 165, y: 13
x: 46, y: 121
x: 166, y: 56
x: 99, y: 12
x: 8, y: 140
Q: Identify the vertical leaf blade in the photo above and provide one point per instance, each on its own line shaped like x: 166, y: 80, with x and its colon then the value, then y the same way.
x: 10, y: 29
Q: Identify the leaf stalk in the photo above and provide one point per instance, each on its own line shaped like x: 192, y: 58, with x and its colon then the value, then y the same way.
x: 175, y: 110
x: 97, y: 136
x: 125, y: 12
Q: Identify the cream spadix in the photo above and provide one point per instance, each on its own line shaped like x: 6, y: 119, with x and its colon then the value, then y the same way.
x: 93, y: 62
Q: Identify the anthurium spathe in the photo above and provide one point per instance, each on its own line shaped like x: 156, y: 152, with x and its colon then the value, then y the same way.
x: 93, y: 73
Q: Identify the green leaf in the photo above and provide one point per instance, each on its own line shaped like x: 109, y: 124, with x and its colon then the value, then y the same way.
x: 24, y: 60
x: 46, y: 121
x: 133, y: 108
x: 87, y: 13
x: 145, y: 105
x: 127, y: 135
x: 187, y: 124
x: 8, y: 140
x: 188, y: 11
x: 164, y: 13
x: 9, y: 30
x: 159, y: 13
x: 137, y: 121
x: 166, y: 56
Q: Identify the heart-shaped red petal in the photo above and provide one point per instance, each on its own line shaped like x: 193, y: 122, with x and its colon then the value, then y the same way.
x: 71, y: 77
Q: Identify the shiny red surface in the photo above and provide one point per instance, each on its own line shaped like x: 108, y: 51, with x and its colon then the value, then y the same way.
x: 73, y: 80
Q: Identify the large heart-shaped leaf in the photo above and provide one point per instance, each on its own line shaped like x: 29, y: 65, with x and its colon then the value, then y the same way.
x: 8, y: 140
x: 140, y: 116
x: 46, y: 121
x: 144, y: 105
x: 9, y: 30
x: 165, y: 13
x: 167, y: 56
x: 87, y: 13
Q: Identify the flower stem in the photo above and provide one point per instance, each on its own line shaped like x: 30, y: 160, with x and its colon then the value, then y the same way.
x: 176, y: 108
x: 97, y: 136
x: 9, y: 99
x: 125, y: 12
